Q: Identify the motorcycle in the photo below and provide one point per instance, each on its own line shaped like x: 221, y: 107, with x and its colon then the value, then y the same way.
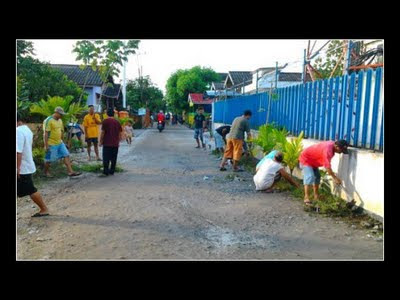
x: 160, y: 126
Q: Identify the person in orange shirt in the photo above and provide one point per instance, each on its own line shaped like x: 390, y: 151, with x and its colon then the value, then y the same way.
x: 90, y: 123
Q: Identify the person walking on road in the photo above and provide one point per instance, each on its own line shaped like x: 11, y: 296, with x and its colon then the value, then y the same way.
x: 90, y: 123
x: 129, y: 132
x: 270, y: 171
x: 199, y: 125
x: 319, y: 155
x: 53, y: 128
x: 111, y: 134
x: 26, y: 168
x: 234, y: 147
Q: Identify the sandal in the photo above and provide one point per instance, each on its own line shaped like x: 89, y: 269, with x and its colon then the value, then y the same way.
x: 307, y: 202
x: 74, y: 174
x: 48, y: 176
x: 37, y: 215
x: 222, y: 169
x: 238, y: 170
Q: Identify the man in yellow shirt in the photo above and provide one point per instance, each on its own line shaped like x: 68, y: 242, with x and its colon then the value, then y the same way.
x: 53, y: 128
x: 90, y: 123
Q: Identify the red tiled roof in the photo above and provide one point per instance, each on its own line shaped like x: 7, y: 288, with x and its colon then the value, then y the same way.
x: 198, y: 99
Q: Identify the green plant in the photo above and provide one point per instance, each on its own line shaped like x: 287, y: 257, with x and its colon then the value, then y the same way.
x: 46, y: 108
x: 38, y: 155
x: 292, y: 151
x: 270, y: 138
x: 97, y: 168
x: 123, y: 121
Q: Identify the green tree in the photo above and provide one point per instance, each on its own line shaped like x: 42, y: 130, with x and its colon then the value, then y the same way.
x: 334, y: 58
x: 105, y: 56
x: 38, y: 80
x: 183, y: 82
x: 141, y: 92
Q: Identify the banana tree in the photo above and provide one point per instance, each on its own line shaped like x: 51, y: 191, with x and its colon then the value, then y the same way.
x: 46, y: 108
x: 292, y: 151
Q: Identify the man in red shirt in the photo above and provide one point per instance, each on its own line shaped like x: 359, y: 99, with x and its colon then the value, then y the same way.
x: 161, y: 117
x: 111, y: 134
x: 319, y: 155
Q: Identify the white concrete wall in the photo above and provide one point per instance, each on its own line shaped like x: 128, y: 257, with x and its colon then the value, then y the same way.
x: 362, y: 172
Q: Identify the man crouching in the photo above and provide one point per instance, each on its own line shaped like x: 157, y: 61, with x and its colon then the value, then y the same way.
x: 269, y: 172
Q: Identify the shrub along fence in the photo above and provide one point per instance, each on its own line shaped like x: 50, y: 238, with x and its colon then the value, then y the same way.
x: 347, y: 107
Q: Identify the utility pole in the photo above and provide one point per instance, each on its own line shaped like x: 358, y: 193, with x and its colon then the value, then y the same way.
x: 124, y: 87
x: 348, y: 57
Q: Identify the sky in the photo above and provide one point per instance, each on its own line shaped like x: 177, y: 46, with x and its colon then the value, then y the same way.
x: 160, y: 58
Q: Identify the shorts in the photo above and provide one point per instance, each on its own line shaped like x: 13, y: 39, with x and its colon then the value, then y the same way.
x: 219, y: 141
x: 310, y: 175
x: 92, y: 140
x: 56, y: 152
x: 198, y: 132
x: 234, y: 149
x: 25, y: 185
x: 78, y: 135
x: 128, y: 135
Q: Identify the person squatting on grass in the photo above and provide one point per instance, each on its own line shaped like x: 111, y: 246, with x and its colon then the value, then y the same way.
x: 234, y: 147
x: 26, y: 168
x: 53, y: 128
x: 90, y: 123
x: 319, y: 155
x: 269, y: 171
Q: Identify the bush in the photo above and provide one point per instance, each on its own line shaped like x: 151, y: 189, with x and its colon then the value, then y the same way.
x: 270, y: 138
x: 292, y: 151
x: 38, y: 155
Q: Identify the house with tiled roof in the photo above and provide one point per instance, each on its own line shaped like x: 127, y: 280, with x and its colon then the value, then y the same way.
x: 198, y: 99
x: 284, y: 79
x: 238, y: 80
x: 93, y: 85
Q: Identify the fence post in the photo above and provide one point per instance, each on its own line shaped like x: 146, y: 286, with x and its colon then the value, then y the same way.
x: 366, y: 109
x: 378, y: 74
x: 358, y: 106
x: 335, y: 108
x: 350, y: 111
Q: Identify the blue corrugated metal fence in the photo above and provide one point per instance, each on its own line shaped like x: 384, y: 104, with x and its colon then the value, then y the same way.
x: 348, y: 107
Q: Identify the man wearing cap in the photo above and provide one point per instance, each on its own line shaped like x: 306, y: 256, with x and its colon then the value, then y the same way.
x: 319, y: 155
x: 53, y: 128
x: 90, y: 123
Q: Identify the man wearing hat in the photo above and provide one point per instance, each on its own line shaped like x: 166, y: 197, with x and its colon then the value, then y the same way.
x: 319, y: 155
x: 53, y: 128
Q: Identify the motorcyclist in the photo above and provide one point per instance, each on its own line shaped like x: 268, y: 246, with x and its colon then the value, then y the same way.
x: 161, y: 117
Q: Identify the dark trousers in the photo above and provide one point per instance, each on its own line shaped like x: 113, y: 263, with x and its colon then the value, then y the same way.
x: 109, y: 155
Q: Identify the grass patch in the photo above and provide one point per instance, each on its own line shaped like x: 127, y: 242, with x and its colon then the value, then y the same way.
x: 96, y: 168
x: 330, y: 205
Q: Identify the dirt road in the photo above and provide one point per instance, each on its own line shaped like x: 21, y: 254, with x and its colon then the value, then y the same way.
x: 172, y: 202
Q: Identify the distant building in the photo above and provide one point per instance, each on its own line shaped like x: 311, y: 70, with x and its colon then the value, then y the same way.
x: 93, y: 86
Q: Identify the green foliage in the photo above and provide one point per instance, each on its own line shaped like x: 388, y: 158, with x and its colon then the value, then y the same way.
x: 123, y: 121
x: 183, y: 82
x: 270, y: 138
x: 46, y: 108
x: 38, y: 80
x: 38, y: 155
x: 326, y: 65
x: 141, y: 92
x: 292, y: 151
x: 76, y: 144
x: 24, y: 49
x: 96, y: 168
x: 106, y: 56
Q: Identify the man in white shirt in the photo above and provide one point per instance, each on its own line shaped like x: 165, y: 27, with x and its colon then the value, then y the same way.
x: 270, y: 172
x: 26, y: 167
